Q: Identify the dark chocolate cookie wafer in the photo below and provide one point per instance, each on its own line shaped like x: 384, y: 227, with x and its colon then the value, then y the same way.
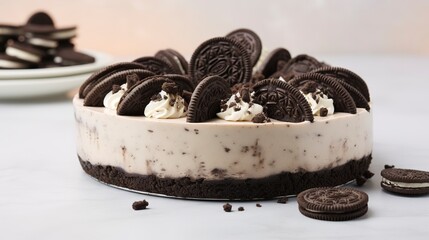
x: 206, y: 98
x: 251, y: 42
x: 348, y: 76
x: 296, y: 66
x: 51, y: 32
x: 104, y: 73
x: 343, y: 101
x: 223, y: 57
x: 275, y: 61
x: 135, y: 99
x: 95, y: 97
x: 282, y: 101
x: 70, y: 57
x: 41, y: 18
x: 175, y: 59
x: 357, y: 96
x: 405, y: 181
x: 333, y: 204
x: 155, y: 65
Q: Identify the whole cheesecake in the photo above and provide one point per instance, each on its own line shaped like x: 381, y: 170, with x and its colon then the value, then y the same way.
x: 202, y: 134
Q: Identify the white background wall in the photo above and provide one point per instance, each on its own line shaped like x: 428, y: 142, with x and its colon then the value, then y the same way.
x: 140, y: 27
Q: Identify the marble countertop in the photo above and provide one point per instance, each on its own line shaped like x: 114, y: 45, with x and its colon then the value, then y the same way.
x: 44, y: 194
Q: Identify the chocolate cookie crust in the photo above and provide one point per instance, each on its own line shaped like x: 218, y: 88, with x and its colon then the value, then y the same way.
x: 282, y: 184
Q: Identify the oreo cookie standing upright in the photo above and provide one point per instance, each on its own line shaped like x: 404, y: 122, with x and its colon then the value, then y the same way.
x: 281, y: 101
x: 250, y: 40
x: 275, y: 61
x: 298, y: 65
x: 343, y: 101
x: 135, y: 99
x: 155, y: 65
x: 206, y: 99
x: 40, y: 18
x: 223, y: 57
x: 175, y: 59
x: 101, y: 74
x: 347, y: 76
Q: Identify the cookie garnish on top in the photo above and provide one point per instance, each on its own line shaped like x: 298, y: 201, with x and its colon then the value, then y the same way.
x: 282, y: 101
x: 223, y: 57
x: 251, y: 42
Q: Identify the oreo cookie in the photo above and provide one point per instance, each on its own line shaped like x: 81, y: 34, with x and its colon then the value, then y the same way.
x: 343, y: 101
x: 333, y: 204
x: 250, y: 41
x: 8, y: 62
x: 296, y: 66
x: 347, y: 76
x: 70, y: 57
x: 135, y: 99
x: 206, y: 98
x: 282, y: 101
x: 275, y: 61
x: 174, y: 59
x: 51, y: 32
x: 155, y: 65
x: 405, y: 181
x: 40, y: 18
x: 95, y: 97
x: 99, y: 75
x: 223, y: 57
x: 25, y: 52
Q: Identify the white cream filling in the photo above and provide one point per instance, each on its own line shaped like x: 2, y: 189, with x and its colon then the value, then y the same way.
x: 404, y: 185
x: 11, y: 64
x: 18, y: 53
x: 239, y: 111
x: 321, y: 101
x: 63, y: 34
x: 111, y: 100
x: 8, y: 31
x: 176, y: 59
x: 162, y: 109
x: 43, y: 42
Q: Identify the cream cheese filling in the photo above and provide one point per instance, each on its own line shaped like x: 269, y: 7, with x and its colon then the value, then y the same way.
x: 217, y: 148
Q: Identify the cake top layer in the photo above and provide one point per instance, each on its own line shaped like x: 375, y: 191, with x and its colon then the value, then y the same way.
x: 219, y: 82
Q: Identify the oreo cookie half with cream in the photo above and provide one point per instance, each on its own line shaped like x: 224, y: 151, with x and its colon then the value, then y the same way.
x: 405, y: 181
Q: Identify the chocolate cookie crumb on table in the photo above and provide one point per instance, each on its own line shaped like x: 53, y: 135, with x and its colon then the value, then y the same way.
x: 227, y: 207
x: 140, y: 205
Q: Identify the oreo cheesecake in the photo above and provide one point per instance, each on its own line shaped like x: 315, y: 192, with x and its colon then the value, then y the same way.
x: 230, y: 126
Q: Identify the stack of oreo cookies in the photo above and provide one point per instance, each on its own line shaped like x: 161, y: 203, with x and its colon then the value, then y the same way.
x: 39, y: 44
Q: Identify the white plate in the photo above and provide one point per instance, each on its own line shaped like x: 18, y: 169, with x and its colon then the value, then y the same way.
x: 101, y: 60
x: 29, y: 88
